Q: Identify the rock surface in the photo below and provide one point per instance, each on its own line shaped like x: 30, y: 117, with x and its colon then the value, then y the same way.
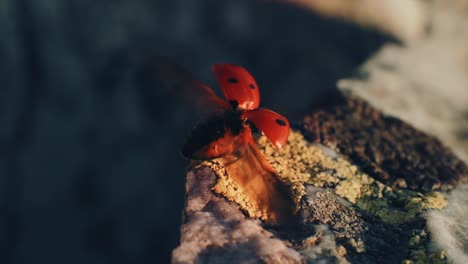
x: 357, y: 217
x: 424, y: 84
x: 385, y: 147
x: 216, y: 231
x: 371, y: 184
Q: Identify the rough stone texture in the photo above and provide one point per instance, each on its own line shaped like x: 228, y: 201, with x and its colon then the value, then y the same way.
x: 324, y: 207
x: 448, y: 227
x: 424, y: 84
x: 363, y: 222
x: 216, y: 231
x: 365, y: 189
x: 366, y: 238
x: 385, y: 147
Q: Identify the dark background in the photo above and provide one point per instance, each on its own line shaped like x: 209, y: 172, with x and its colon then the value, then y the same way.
x: 90, y: 170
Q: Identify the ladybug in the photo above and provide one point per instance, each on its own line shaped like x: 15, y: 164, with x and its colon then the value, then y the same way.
x: 229, y: 130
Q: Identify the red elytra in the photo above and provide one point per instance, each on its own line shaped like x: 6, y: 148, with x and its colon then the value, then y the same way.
x: 229, y: 132
x: 273, y: 125
x: 238, y: 85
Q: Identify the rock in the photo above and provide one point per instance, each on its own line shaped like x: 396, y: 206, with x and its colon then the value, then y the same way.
x: 367, y: 173
x: 423, y: 84
x: 217, y: 231
x: 404, y: 19
x: 448, y: 227
x: 385, y: 147
x: 363, y: 223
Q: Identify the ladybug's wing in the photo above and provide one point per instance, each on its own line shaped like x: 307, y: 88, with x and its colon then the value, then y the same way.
x: 273, y: 125
x: 239, y: 87
x: 207, y: 95
x: 180, y: 82
x: 250, y: 170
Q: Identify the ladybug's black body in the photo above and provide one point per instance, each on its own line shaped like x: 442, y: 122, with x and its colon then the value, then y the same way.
x: 212, y: 129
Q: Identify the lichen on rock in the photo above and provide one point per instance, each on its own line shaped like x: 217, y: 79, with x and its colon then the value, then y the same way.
x: 327, y: 189
x: 402, y: 206
x: 301, y: 162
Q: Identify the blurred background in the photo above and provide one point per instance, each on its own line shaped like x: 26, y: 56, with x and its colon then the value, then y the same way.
x: 90, y: 170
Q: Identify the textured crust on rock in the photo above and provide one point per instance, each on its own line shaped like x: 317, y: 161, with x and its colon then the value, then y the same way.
x: 324, y: 207
x: 344, y: 214
x: 385, y: 147
x: 300, y: 162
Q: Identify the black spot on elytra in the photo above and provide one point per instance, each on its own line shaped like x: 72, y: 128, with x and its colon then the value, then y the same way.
x: 252, y: 86
x: 280, y: 122
x: 232, y: 80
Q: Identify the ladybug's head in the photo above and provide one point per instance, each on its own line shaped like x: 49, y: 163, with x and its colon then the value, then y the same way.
x: 234, y: 104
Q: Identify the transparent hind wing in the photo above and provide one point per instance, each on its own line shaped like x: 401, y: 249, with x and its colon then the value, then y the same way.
x: 179, y: 82
x: 267, y: 194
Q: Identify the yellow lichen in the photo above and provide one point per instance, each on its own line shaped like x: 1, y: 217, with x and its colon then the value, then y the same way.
x: 259, y: 192
x: 233, y: 191
x: 300, y: 162
x: 434, y: 200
